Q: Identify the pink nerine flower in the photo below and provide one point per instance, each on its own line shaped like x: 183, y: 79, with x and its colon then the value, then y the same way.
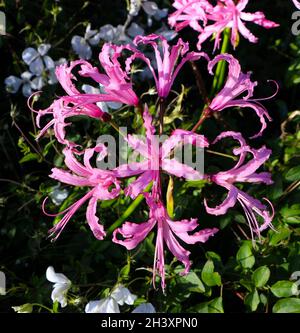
x: 296, y: 3
x: 115, y: 82
x: 226, y: 14
x: 236, y: 85
x: 103, y: 184
x: 167, y: 231
x: 189, y: 13
x: 244, y: 172
x: 167, y: 60
x: 158, y: 158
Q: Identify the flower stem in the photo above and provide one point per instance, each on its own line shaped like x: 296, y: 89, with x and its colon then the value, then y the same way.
x: 221, y: 154
x: 200, y: 82
x: 221, y: 67
x: 132, y: 207
x: 162, y: 109
x: 205, y: 114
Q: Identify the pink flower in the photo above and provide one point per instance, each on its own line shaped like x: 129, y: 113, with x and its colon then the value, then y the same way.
x: 167, y: 60
x: 157, y: 158
x: 244, y: 172
x: 103, y: 184
x: 115, y: 82
x: 189, y: 13
x: 167, y: 231
x: 296, y: 3
x: 236, y: 85
x: 226, y: 14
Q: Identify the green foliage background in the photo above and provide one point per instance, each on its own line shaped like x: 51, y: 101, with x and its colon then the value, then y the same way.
x: 229, y: 273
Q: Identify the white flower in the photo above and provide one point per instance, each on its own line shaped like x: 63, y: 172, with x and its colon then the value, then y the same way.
x: 105, y: 305
x: 37, y: 60
x: 25, y: 308
x: 110, y: 304
x: 61, y: 286
x: 82, y: 45
x: 123, y: 295
x: 144, y: 308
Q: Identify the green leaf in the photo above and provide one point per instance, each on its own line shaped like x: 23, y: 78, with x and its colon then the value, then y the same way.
x: 284, y: 289
x: 125, y: 270
x: 192, y: 282
x: 293, y: 174
x: 208, y: 275
x: 244, y: 256
x: 213, y: 256
x: 29, y: 157
x: 287, y: 305
x: 261, y: 276
x: 291, y: 214
x: 252, y: 300
x: 213, y: 306
x: 248, y: 284
x: 279, y: 235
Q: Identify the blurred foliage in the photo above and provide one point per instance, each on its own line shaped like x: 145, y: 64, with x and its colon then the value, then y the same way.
x: 230, y: 273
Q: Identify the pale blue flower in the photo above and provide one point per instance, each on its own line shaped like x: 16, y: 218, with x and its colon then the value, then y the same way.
x: 82, y: 45
x: 38, y: 60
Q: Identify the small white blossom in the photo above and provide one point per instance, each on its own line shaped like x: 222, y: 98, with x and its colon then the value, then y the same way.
x: 110, y: 304
x: 105, y: 305
x: 144, y: 308
x: 123, y: 295
x: 61, y: 286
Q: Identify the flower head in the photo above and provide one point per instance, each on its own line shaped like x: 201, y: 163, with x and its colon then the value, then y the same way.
x: 226, y: 14
x: 38, y: 60
x: 236, y: 85
x: 144, y: 308
x: 115, y: 84
x: 61, y: 286
x: 168, y: 61
x: 82, y: 45
x: 244, y: 172
x: 102, y: 183
x: 168, y: 232
x: 157, y: 158
x: 119, y: 296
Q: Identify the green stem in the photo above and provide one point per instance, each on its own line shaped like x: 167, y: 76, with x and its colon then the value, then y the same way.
x: 132, y: 207
x: 221, y: 67
x: 221, y: 154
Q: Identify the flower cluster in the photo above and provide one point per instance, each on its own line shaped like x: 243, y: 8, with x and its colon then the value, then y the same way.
x: 118, y: 296
x: 41, y: 70
x: 209, y: 20
x: 158, y: 158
